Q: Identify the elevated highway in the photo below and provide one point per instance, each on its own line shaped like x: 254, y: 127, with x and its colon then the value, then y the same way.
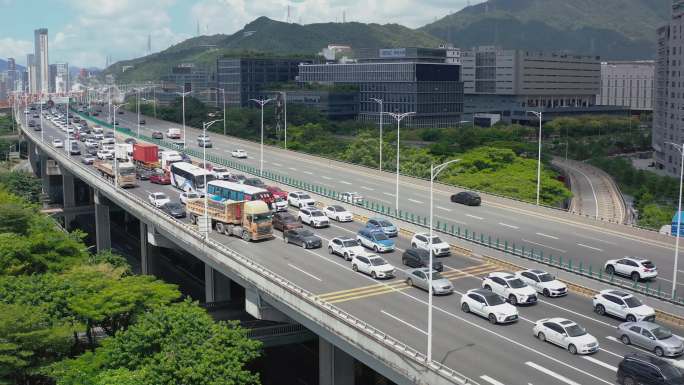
x: 380, y: 323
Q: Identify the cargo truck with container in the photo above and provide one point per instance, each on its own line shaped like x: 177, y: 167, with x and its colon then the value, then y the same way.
x: 145, y: 156
x: 123, y: 151
x: 250, y: 220
x: 125, y: 172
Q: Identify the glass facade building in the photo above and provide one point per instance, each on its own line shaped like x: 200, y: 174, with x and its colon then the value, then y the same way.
x: 245, y: 78
x: 434, y: 91
x: 188, y: 77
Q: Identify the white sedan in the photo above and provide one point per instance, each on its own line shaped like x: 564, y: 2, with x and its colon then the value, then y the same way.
x: 346, y: 247
x: 566, y: 334
x: 372, y: 265
x: 105, y: 154
x: 184, y: 196
x: 57, y: 143
x: 239, y: 153
x: 338, y: 213
x: 543, y: 282
x: 489, y: 305
x: 158, y: 199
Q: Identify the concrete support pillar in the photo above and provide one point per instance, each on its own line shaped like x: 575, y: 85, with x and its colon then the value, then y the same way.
x: 44, y: 179
x: 335, y: 367
x: 216, y: 285
x: 33, y: 157
x: 103, y: 237
x: 260, y: 309
x: 69, y: 196
x: 144, y: 251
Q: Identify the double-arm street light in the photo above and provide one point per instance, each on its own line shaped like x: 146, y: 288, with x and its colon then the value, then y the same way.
x: 262, y: 103
x: 539, y: 115
x: 204, y: 165
x: 398, y: 117
x: 116, y: 163
x: 223, y: 93
x: 182, y: 94
x: 679, y: 218
x: 285, y: 108
x: 379, y: 101
x: 434, y: 171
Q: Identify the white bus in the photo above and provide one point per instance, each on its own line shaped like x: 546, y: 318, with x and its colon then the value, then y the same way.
x: 188, y: 177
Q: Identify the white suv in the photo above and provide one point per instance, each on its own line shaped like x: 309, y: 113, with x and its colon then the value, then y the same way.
x: 373, y: 265
x: 489, y: 305
x: 543, y: 282
x: 439, y: 247
x: 622, y: 305
x: 313, y: 217
x: 510, y: 287
x: 633, y: 267
x: 299, y: 199
x: 346, y: 247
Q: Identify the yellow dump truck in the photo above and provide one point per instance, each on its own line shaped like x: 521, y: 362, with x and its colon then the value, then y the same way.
x: 251, y: 220
x: 126, y: 172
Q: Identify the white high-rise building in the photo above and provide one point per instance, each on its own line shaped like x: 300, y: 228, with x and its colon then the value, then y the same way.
x: 32, y: 76
x: 62, y: 77
x: 41, y: 59
x: 627, y: 83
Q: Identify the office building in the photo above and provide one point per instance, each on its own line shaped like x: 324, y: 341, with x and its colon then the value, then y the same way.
x: 245, y: 78
x: 41, y: 59
x: 32, y: 76
x: 511, y: 82
x: 628, y: 84
x: 62, y: 77
x: 336, y: 103
x: 4, y: 86
x: 668, y: 106
x: 52, y: 77
x: 12, y: 74
x: 406, y: 79
x: 188, y: 77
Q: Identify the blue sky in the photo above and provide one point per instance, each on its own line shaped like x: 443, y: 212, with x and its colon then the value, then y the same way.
x: 84, y: 32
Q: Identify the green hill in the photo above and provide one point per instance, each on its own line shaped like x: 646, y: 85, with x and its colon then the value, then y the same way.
x: 613, y: 29
x: 264, y: 36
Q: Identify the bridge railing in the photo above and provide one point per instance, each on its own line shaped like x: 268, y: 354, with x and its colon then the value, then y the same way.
x: 342, y: 316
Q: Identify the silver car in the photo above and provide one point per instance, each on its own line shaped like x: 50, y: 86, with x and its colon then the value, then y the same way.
x: 652, y: 337
x: 419, y: 278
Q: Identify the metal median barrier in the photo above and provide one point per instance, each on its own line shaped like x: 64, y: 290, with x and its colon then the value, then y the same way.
x: 463, y: 233
x: 230, y: 257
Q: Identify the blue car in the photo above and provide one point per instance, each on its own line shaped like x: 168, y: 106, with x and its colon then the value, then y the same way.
x: 375, y: 239
x: 383, y: 224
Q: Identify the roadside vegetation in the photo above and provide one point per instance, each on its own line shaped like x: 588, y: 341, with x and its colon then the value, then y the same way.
x: 500, y: 160
x: 71, y: 317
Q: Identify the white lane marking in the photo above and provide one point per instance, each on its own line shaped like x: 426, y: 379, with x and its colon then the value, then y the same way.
x: 404, y: 322
x: 305, y: 272
x: 546, y: 235
x: 509, y: 226
x: 367, y: 188
x: 415, y: 201
x: 597, y: 240
x: 326, y: 177
x: 552, y: 373
x: 277, y: 164
x: 442, y: 208
x: 474, y: 216
x: 491, y: 380
x: 600, y: 363
x: 542, y: 245
x: 589, y: 247
x: 345, y: 182
x: 451, y: 220
x: 388, y: 194
x: 308, y: 172
x: 292, y: 168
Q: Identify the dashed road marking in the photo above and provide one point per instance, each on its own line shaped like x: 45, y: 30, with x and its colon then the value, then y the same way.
x: 552, y: 373
x: 546, y: 235
x: 305, y: 272
x: 442, y: 208
x: 326, y: 177
x: 367, y: 188
x: 345, y: 182
x: 415, y: 201
x: 474, y: 216
x: 403, y: 322
x: 589, y: 247
x: 509, y: 226
x: 600, y: 363
x: 543, y: 245
x: 491, y: 380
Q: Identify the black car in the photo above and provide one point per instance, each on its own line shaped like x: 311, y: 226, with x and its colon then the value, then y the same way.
x: 121, y: 112
x: 109, y: 134
x: 96, y: 113
x: 143, y: 174
x: 142, y: 121
x: 256, y: 182
x: 466, y: 198
x: 83, y: 137
x: 240, y: 178
x: 92, y: 150
x: 420, y: 258
x: 174, y: 209
x: 130, y: 141
x: 648, y: 370
x: 302, y: 237
x: 157, y: 135
x: 285, y: 221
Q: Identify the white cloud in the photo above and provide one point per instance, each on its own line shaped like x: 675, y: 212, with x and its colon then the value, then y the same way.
x: 15, y: 48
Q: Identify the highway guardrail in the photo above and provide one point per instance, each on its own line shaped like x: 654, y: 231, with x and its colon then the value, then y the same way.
x: 463, y: 233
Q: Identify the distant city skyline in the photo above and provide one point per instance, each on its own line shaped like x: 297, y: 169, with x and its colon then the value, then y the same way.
x: 84, y: 33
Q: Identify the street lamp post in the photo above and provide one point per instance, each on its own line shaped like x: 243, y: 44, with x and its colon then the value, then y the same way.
x: 262, y: 103
x: 379, y: 101
x: 398, y: 117
x: 223, y: 94
x: 182, y: 94
x: 539, y: 115
x: 204, y: 164
x: 116, y: 163
x: 284, y: 93
x: 434, y: 171
x: 137, y: 90
x: 679, y: 219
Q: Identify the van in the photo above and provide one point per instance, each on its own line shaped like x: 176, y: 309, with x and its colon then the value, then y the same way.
x: 204, y: 142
